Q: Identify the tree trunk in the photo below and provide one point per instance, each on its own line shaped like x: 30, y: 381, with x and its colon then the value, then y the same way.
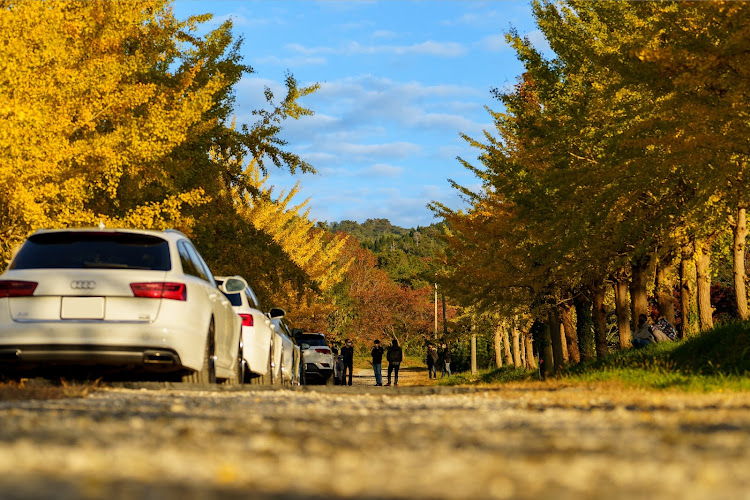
x: 516, y: 345
x: 740, y: 277
x: 688, y: 305
x: 600, y: 320
x: 545, y: 352
x: 506, y: 344
x: 522, y: 348
x: 571, y: 335
x: 584, y: 325
x: 530, y: 361
x: 499, y: 345
x: 703, y: 272
x: 621, y: 310
x: 554, y: 328
x: 664, y: 290
x: 638, y: 289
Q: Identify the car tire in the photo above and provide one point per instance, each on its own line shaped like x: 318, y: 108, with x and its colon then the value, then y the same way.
x: 207, y: 374
x: 241, y: 369
x: 331, y: 380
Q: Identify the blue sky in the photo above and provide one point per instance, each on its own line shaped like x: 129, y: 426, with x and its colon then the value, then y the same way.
x: 400, y: 81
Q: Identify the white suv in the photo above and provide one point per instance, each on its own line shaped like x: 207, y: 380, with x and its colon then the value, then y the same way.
x: 317, y: 355
x: 258, y: 336
x: 130, y: 301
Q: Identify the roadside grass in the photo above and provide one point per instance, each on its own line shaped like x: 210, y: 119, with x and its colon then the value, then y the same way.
x: 28, y: 389
x: 718, y: 360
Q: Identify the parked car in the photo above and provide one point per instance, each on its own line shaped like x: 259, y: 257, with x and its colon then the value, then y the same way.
x: 289, y: 353
x: 318, y: 357
x: 258, y: 335
x: 135, y: 302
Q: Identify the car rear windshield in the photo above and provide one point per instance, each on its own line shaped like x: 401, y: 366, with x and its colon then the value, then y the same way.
x: 93, y: 250
x: 312, y: 340
x: 234, y: 298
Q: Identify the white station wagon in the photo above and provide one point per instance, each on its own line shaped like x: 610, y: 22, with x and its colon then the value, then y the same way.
x: 133, y: 302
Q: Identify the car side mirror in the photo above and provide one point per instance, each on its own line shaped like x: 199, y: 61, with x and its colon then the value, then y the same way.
x: 305, y: 346
x: 276, y: 312
x: 233, y: 285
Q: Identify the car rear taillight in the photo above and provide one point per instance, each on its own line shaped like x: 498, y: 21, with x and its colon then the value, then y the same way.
x: 160, y: 290
x: 323, y: 351
x: 247, y: 319
x: 12, y: 288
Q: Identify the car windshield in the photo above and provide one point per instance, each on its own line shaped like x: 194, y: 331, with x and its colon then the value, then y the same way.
x: 311, y: 340
x: 93, y: 250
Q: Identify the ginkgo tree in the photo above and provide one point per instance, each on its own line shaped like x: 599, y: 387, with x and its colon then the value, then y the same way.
x: 601, y: 166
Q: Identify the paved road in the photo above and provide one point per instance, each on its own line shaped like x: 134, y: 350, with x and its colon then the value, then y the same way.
x: 525, y: 441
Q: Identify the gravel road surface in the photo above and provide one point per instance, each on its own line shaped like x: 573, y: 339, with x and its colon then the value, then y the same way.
x: 525, y: 441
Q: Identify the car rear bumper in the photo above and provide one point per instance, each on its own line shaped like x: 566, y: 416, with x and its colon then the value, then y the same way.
x: 27, y: 358
x: 317, y: 370
x: 147, y: 346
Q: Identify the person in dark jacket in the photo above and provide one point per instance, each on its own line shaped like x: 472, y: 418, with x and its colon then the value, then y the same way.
x: 446, y: 361
x: 432, y: 361
x: 377, y: 362
x: 338, y: 367
x: 347, y: 352
x: 394, y: 357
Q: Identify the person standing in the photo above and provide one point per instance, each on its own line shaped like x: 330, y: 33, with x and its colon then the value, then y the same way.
x: 347, y: 352
x: 377, y: 362
x: 446, y: 361
x: 394, y: 357
x: 432, y: 361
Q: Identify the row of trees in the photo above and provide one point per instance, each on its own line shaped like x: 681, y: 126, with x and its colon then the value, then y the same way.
x: 613, y: 168
x: 119, y: 112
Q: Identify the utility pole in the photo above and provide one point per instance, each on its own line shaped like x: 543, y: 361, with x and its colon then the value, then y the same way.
x: 436, y: 312
x: 473, y: 347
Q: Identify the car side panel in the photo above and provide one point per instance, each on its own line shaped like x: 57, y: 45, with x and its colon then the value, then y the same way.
x: 258, y: 340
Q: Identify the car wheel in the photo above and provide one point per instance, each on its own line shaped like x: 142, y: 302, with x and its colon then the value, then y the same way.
x: 268, y: 379
x: 241, y: 363
x: 330, y: 380
x: 207, y: 374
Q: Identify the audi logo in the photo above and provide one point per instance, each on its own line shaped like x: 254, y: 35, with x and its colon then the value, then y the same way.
x: 83, y: 285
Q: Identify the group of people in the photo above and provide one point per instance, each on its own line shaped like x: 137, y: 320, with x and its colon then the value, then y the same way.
x: 344, y: 362
x: 435, y: 358
x: 658, y: 329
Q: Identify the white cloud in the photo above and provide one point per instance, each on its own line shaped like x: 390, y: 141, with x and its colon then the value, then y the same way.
x: 291, y: 62
x: 494, y: 43
x: 430, y: 47
x: 384, y: 34
x: 382, y: 170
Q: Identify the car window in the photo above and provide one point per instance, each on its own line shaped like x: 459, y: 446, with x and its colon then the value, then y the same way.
x: 251, y: 298
x: 200, y: 264
x: 188, y: 265
x: 93, y: 250
x: 234, y: 298
x: 311, y: 340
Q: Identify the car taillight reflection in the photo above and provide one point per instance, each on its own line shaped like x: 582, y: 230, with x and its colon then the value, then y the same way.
x: 247, y: 319
x: 160, y: 290
x: 323, y: 351
x: 12, y: 288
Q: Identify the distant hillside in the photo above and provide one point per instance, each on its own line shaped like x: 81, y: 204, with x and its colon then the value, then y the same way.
x: 404, y: 254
